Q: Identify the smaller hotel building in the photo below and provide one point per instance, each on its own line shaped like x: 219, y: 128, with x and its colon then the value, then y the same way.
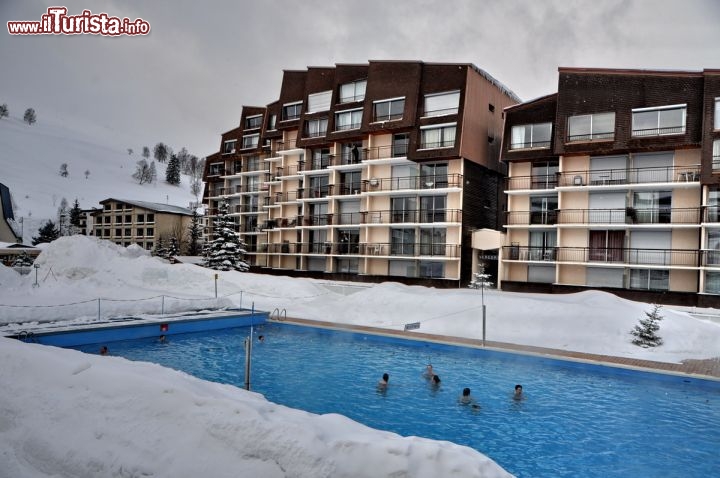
x: 614, y: 183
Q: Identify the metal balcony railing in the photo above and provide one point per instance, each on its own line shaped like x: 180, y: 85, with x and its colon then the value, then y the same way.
x: 411, y: 216
x: 605, y: 177
x: 630, y: 215
x: 319, y: 192
x: 524, y: 218
x: 591, y: 136
x: 345, y: 218
x: 399, y: 150
x: 679, y: 129
x: 410, y: 249
x: 630, y: 256
x: 286, y: 145
x: 346, y: 189
x: 318, y: 220
x: 412, y: 182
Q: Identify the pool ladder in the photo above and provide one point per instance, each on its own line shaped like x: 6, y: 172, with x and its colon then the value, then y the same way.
x: 27, y: 337
x: 278, y: 314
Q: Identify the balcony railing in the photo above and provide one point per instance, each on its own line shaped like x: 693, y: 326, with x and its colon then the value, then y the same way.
x: 525, y: 253
x: 524, y: 218
x: 631, y: 256
x: 318, y: 220
x: 318, y: 164
x: 345, y: 218
x: 630, y: 215
x: 290, y: 196
x: 254, y: 167
x: 373, y: 249
x: 286, y: 145
x: 319, y: 191
x: 411, y: 216
x: 605, y: 177
x: 591, y: 136
x: 711, y: 213
x: 544, y: 181
x: 659, y: 131
x: 412, y: 182
x: 384, y: 152
x: 348, y: 189
x: 710, y: 258
x: 530, y: 144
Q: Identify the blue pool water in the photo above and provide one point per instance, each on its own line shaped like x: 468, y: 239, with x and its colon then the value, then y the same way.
x: 576, y: 420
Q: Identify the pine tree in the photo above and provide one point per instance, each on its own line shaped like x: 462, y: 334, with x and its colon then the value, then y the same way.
x: 87, y: 173
x: 64, y: 170
x: 4, y: 112
x: 62, y: 217
x: 160, y: 152
x: 146, y: 153
x: 30, y: 116
x: 226, y: 251
x: 173, y: 249
x: 194, y: 234
x: 75, y: 217
x: 172, y: 173
x: 153, y: 173
x: 23, y: 260
x: 160, y: 250
x: 47, y: 233
x: 646, y: 332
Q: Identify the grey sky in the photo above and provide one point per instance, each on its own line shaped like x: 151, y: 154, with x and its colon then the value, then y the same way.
x: 186, y: 82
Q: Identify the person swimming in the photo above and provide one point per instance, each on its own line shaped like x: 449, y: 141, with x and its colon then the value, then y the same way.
x: 518, y: 393
x: 383, y: 382
x: 467, y: 399
x: 428, y: 373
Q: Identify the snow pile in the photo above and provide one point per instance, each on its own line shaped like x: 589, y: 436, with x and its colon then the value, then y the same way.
x: 140, y: 419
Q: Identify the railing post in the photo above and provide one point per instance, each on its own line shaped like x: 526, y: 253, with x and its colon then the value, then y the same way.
x: 98, y: 308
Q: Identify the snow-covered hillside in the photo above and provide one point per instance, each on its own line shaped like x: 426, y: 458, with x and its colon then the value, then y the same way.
x: 31, y: 157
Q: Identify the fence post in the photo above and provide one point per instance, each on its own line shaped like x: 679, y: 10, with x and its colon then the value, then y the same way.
x: 98, y: 308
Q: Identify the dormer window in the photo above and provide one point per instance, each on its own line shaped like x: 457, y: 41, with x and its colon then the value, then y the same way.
x: 253, y: 122
x: 354, y: 91
x: 531, y: 136
x: 387, y: 110
x: 229, y: 146
x: 292, y: 111
x: 658, y: 121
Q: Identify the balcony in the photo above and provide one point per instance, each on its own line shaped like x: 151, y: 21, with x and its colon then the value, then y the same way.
x: 347, y: 218
x: 319, y: 192
x: 318, y: 164
x: 526, y: 253
x: 318, y: 220
x: 402, y: 249
x: 290, y: 196
x: 546, y: 181
x: 608, y: 177
x: 680, y: 129
x: 630, y: 215
x: 411, y: 216
x: 710, y: 258
x: 347, y: 189
x: 627, y: 256
x: 412, y: 183
x: 287, y: 147
x: 399, y: 150
x: 525, y: 218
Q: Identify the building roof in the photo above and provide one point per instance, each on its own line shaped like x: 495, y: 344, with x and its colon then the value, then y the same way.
x: 629, y: 71
x: 153, y: 206
x: 541, y: 99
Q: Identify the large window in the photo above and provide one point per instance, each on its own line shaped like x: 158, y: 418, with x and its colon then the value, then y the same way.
x: 292, y: 111
x: 272, y: 122
x: 386, y: 110
x: 351, y: 119
x: 712, y: 282
x: 439, y: 104
x: 320, y: 158
x: 400, y: 144
x: 649, y: 279
x: 712, y: 254
x: 542, y: 245
x: 354, y: 91
x: 215, y: 169
x: 437, y: 136
x: 606, y: 246
x: 316, y: 127
x: 229, y: 146
x: 591, y: 127
x: 544, y: 174
x: 433, y: 176
x: 717, y: 113
x: 543, y: 209
x: 659, y: 121
x: 250, y: 141
x: 651, y: 207
x: 319, y: 101
x: 404, y: 209
x: 253, y: 122
x: 531, y: 136
x: 402, y: 242
x: 432, y: 242
x: 716, y: 155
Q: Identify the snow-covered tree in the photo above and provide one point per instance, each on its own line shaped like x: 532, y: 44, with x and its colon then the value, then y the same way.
x: 481, y: 279
x: 153, y: 172
x: 64, y: 170
x: 160, y: 250
x: 160, y: 152
x: 172, y: 173
x: 194, y: 234
x: 143, y: 173
x: 645, y: 333
x: 75, y: 217
x: 130, y: 151
x: 46, y: 233
x: 226, y: 251
x: 23, y: 260
x: 87, y: 173
x: 146, y: 153
x: 63, y: 218
x: 4, y: 112
x: 30, y: 116
x: 173, y: 249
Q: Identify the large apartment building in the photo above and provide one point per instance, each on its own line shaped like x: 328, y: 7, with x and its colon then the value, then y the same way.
x: 614, y: 183
x: 367, y: 170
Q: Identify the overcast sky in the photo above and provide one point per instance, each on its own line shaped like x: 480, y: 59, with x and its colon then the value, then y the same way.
x: 185, y: 82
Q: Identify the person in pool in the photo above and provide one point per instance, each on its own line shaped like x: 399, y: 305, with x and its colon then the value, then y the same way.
x: 428, y: 373
x: 104, y: 350
x: 467, y: 399
x: 383, y: 383
x: 518, y: 393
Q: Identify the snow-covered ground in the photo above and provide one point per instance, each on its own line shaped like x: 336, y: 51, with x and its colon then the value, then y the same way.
x: 65, y: 413
x: 31, y: 156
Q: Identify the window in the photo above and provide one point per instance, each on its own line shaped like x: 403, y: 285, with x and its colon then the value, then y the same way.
x: 659, y: 121
x: 292, y: 111
x: 106, y: 233
x: 150, y: 232
x: 118, y: 219
x: 106, y: 220
x: 150, y: 217
x: 432, y: 242
x: 253, y: 122
x: 215, y: 169
x: 712, y: 254
x: 319, y: 101
x: 440, y: 104
x: 351, y: 119
x: 128, y: 218
x: 387, y: 110
x: 433, y: 208
x: 542, y: 246
x: 716, y: 155
x: 354, y: 91
x: 250, y: 141
x: 606, y: 246
x: 651, y: 207
x: 437, y: 136
x: 107, y: 206
x: 544, y: 174
x: 229, y: 146
x: 140, y: 232
x: 320, y: 158
x: 118, y: 232
x: 712, y: 282
x: 717, y: 113
x: 400, y: 144
x: 128, y: 232
x: 141, y: 218
x: 531, y: 136
x: 402, y: 242
x: 649, y: 279
x: 316, y: 127
x: 352, y: 153
x: 591, y: 127
x: 272, y: 122
x: 433, y: 176
x: 543, y: 209
x: 404, y: 209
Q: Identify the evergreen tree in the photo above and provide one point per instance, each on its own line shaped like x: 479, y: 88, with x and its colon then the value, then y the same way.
x: 646, y: 332
x: 75, y: 217
x: 173, y: 249
x: 47, y: 233
x: 130, y: 151
x: 87, y: 173
x: 160, y: 250
x: 146, y: 153
x: 143, y: 172
x: 64, y: 170
x: 160, y: 153
x: 62, y: 217
x: 194, y: 234
x: 226, y: 251
x: 153, y: 172
x: 23, y: 260
x: 30, y: 116
x: 172, y: 173
x: 4, y: 112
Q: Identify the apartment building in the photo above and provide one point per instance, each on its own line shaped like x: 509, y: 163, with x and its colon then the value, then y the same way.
x: 613, y: 183
x: 366, y: 171
x: 127, y: 222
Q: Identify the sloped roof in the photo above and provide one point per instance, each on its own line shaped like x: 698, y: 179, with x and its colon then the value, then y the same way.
x: 153, y: 206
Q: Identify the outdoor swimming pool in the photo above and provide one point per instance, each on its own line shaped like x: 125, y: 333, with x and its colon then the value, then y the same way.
x: 576, y: 420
